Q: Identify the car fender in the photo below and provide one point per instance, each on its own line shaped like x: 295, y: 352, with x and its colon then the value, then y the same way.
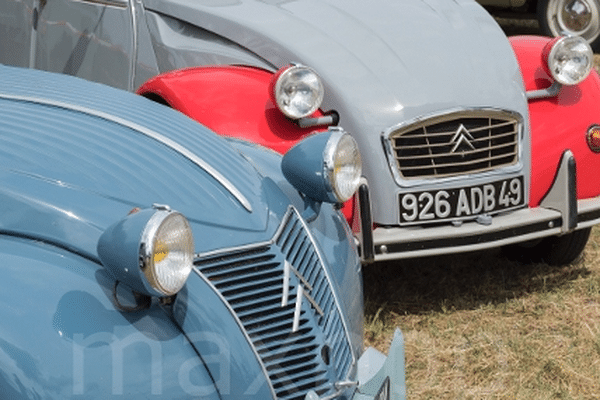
x: 558, y: 123
x: 233, y: 101
x: 62, y: 336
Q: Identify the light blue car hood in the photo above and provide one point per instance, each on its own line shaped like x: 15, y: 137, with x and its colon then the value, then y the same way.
x: 66, y: 174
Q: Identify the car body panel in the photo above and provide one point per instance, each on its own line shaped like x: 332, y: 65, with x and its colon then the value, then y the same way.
x: 552, y: 118
x: 226, y: 93
x: 361, y: 84
x: 65, y: 338
x: 378, y: 79
x: 77, y: 158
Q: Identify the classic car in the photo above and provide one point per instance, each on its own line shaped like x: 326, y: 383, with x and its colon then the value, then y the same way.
x: 469, y: 140
x: 559, y: 17
x: 143, y: 256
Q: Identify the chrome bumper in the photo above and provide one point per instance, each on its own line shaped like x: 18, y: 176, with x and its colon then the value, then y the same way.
x: 559, y: 212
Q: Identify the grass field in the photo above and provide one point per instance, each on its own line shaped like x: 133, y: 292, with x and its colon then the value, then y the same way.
x: 479, y: 326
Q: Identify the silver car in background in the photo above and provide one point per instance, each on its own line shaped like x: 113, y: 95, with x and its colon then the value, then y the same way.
x: 559, y: 17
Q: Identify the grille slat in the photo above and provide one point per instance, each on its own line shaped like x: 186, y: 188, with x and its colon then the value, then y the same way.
x: 437, y: 147
x: 296, y: 378
x: 232, y: 273
x: 255, y: 289
x: 441, y: 164
x: 262, y: 316
x: 251, y: 281
x: 456, y: 144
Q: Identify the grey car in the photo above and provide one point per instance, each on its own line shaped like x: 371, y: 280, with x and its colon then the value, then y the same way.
x: 469, y: 140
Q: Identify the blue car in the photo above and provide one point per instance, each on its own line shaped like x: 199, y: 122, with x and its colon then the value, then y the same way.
x: 143, y: 256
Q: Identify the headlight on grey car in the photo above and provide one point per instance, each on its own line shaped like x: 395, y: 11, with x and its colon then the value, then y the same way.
x: 569, y: 59
x: 325, y: 166
x: 151, y: 251
x: 297, y: 91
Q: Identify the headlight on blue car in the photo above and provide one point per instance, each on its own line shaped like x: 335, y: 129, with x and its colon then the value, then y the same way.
x: 151, y: 251
x: 569, y: 59
x: 325, y: 166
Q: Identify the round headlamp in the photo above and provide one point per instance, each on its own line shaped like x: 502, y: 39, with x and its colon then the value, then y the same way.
x: 569, y: 59
x: 343, y: 166
x: 167, y: 252
x: 325, y: 166
x: 298, y: 91
x: 150, y: 250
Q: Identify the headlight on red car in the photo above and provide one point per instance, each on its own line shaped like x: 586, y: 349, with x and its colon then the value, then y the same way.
x: 297, y: 91
x: 569, y: 59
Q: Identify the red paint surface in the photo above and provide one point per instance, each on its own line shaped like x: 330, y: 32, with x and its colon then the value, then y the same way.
x: 558, y: 123
x: 235, y: 102
x: 232, y: 101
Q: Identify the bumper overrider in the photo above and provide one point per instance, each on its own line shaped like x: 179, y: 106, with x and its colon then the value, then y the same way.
x: 558, y: 213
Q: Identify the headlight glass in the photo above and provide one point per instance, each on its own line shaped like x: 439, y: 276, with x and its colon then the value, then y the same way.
x: 344, y: 166
x: 167, y: 252
x: 570, y: 60
x: 298, y: 91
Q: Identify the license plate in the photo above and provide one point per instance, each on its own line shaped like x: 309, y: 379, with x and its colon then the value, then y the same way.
x: 461, y: 203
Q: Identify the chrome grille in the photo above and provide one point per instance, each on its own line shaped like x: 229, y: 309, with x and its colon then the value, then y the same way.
x: 456, y: 144
x: 251, y: 280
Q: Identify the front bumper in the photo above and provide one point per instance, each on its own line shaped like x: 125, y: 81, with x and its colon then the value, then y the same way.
x: 559, y: 212
x: 378, y: 377
x: 374, y: 369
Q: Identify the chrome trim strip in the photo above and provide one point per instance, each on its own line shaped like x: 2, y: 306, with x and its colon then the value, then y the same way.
x: 147, y: 132
x: 109, y: 3
x: 134, y: 45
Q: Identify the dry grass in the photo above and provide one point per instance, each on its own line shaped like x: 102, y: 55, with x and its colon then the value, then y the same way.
x: 480, y: 326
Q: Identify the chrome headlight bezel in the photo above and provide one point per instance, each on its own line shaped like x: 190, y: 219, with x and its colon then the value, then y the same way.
x: 342, y: 165
x: 151, y: 251
x: 325, y: 166
x: 297, y: 91
x: 569, y: 59
x: 167, y: 232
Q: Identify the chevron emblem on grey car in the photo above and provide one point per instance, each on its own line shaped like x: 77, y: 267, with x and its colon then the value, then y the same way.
x: 462, y: 139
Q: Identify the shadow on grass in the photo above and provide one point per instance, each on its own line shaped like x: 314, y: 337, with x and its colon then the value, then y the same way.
x: 458, y: 282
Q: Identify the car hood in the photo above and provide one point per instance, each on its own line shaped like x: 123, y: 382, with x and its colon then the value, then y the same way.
x: 77, y: 157
x: 383, y: 63
x: 383, y: 60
